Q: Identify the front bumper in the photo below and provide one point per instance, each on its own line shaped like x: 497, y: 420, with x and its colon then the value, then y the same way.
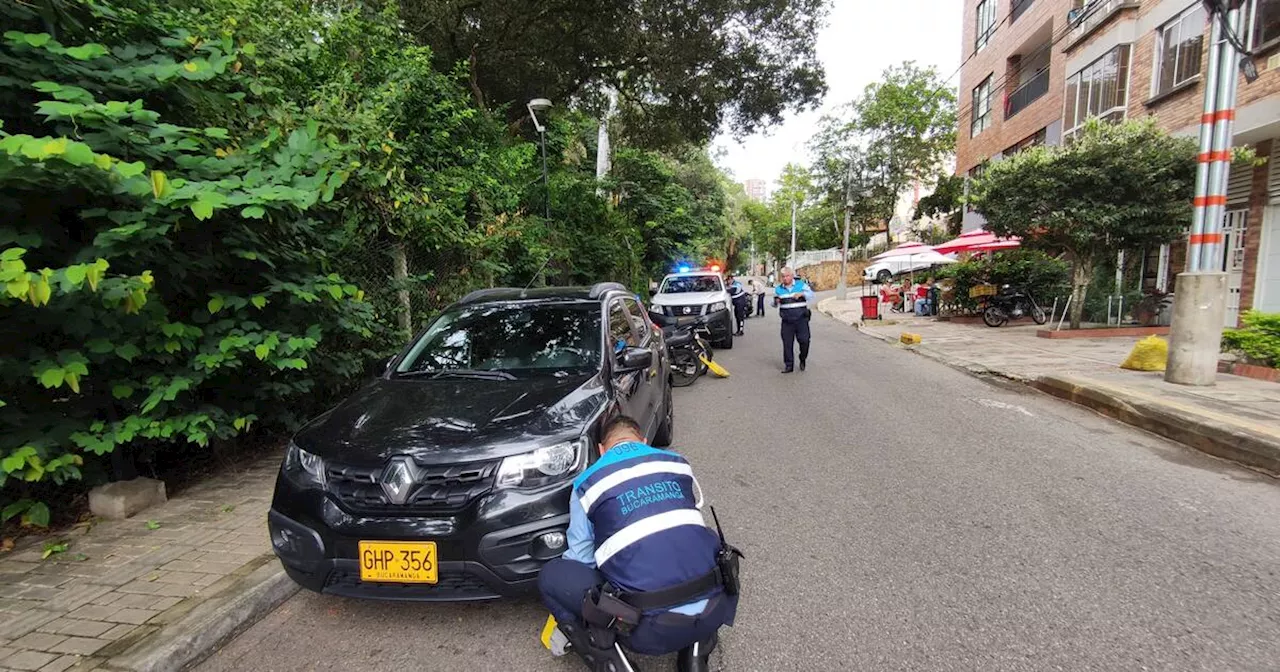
x: 488, y: 550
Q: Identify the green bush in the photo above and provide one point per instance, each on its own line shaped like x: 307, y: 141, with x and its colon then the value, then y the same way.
x: 1258, y: 340
x: 203, y: 204
x: 1045, y: 277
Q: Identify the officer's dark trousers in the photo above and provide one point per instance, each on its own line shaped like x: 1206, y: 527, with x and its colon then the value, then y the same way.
x: 794, y: 329
x: 760, y: 305
x: 565, y: 583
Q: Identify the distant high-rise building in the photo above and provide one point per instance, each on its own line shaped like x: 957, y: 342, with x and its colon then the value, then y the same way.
x: 755, y: 190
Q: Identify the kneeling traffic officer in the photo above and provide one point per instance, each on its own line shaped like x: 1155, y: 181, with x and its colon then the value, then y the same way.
x: 642, y: 568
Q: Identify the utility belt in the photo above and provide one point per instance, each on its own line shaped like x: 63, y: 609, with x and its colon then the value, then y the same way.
x: 610, y: 611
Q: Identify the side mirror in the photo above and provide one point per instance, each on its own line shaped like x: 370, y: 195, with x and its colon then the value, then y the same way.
x: 633, y: 359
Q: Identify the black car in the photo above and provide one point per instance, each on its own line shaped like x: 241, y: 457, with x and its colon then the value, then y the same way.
x: 447, y: 477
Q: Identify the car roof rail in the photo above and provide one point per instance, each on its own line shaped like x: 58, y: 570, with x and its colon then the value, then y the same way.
x: 598, y: 289
x: 479, y: 294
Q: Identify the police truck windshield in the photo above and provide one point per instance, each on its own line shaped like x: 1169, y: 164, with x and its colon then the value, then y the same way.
x: 691, y: 283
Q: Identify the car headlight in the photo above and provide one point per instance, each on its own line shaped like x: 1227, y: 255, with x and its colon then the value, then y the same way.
x: 716, y: 307
x: 303, y: 468
x: 544, y: 465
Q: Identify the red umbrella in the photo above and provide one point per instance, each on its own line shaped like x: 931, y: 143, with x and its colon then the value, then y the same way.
x: 1004, y: 244
x: 966, y: 242
x: 904, y: 250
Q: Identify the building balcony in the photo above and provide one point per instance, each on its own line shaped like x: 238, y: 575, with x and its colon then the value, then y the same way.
x: 1028, y: 93
x: 1090, y: 15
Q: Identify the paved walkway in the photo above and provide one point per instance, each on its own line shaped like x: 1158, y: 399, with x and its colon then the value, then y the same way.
x: 1087, y: 370
x: 104, y: 601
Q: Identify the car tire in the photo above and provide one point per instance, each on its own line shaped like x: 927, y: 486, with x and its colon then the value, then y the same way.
x: 666, y: 430
x: 883, y: 276
x: 727, y: 342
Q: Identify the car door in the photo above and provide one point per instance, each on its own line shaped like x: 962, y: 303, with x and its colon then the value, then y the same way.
x: 648, y: 395
x: 627, y: 386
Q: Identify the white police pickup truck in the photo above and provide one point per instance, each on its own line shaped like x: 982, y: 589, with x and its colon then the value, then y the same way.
x: 686, y: 296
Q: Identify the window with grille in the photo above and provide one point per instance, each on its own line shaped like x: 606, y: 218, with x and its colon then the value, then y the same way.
x: 986, y: 23
x: 1263, y: 22
x: 981, y: 108
x: 1100, y: 89
x: 1179, y: 45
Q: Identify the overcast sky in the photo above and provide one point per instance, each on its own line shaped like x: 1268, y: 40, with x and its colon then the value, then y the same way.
x: 861, y: 39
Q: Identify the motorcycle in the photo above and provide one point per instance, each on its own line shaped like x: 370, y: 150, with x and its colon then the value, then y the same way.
x: 1011, y: 304
x: 690, y: 352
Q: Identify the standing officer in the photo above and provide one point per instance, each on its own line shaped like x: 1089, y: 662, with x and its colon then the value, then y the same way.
x: 792, y: 297
x: 642, y: 569
x: 739, y: 297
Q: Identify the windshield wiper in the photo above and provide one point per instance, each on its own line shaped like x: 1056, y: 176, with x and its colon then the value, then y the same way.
x: 478, y: 374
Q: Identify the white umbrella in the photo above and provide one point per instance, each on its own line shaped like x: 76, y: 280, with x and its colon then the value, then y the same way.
x: 903, y: 250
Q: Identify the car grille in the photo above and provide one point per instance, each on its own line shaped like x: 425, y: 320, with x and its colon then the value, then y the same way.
x: 441, y: 488
x: 679, y: 311
x: 452, y: 586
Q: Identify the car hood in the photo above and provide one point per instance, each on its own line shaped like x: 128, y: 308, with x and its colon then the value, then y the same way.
x: 453, y: 420
x: 689, y: 298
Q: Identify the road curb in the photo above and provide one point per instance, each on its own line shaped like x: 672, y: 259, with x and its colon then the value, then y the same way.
x: 189, y: 633
x: 1186, y: 425
x: 1173, y: 421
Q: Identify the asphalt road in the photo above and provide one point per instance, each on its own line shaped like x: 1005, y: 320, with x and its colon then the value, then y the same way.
x: 899, y: 515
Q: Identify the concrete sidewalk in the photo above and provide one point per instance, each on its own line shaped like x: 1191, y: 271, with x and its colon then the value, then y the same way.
x: 154, y: 592
x: 1237, y: 419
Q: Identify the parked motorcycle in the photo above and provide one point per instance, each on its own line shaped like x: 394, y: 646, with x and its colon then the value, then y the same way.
x: 1011, y: 304
x: 690, y: 351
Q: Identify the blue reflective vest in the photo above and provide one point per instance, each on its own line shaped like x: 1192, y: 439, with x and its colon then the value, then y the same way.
x: 794, y: 298
x: 649, y: 532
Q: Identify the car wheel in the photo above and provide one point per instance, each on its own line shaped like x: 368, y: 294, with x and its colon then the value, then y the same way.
x: 727, y: 342
x: 666, y: 430
x: 883, y: 276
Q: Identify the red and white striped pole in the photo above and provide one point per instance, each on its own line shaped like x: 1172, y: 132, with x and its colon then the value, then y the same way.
x: 1200, y: 296
x: 1200, y: 203
x: 1223, y: 120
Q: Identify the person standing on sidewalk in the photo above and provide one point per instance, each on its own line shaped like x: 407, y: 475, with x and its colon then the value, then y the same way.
x: 792, y: 297
x: 757, y: 292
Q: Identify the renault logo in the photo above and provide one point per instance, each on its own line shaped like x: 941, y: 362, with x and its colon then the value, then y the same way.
x: 398, y: 479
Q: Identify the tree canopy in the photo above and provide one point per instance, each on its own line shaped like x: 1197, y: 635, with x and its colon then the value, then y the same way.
x: 683, y: 69
x: 901, y: 129
x: 1115, y: 186
x: 216, y: 213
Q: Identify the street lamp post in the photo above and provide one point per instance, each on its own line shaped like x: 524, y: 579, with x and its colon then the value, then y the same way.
x: 541, y: 105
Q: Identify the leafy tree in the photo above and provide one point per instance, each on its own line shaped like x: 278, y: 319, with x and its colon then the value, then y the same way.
x: 166, y: 283
x: 1115, y: 186
x: 945, y: 202
x: 898, y: 131
x: 683, y: 69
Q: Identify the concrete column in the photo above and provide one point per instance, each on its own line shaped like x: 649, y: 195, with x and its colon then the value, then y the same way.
x: 1199, y: 307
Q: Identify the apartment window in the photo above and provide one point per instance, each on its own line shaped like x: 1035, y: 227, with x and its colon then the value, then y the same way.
x: 1037, y: 138
x: 1179, y: 44
x: 986, y: 19
x: 1100, y: 89
x: 981, y: 108
x: 1263, y: 22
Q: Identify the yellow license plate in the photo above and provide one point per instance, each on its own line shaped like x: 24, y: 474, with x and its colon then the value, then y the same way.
x: 399, y: 561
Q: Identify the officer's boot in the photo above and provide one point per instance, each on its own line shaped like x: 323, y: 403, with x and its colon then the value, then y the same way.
x: 597, y: 656
x: 697, y: 656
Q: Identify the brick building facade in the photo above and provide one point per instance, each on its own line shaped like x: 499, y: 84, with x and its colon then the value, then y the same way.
x: 1026, y: 76
x: 1135, y: 58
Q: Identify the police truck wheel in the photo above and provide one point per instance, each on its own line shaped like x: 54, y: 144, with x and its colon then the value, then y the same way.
x: 665, y: 431
x: 726, y: 342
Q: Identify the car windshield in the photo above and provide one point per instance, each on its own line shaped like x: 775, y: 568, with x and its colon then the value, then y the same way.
x: 519, y: 337
x: 691, y: 283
